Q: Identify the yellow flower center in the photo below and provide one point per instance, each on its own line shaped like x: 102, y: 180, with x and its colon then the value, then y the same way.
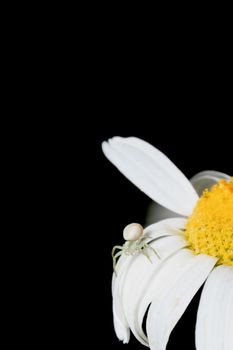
x: 209, y: 229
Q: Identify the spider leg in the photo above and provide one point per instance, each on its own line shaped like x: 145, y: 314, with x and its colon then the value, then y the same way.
x: 115, y: 248
x: 114, y: 258
x: 144, y: 252
x: 155, y: 252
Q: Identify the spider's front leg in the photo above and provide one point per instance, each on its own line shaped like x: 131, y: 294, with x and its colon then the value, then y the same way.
x: 114, y: 260
x: 155, y: 252
x: 115, y: 256
x: 119, y: 247
x: 144, y: 249
x: 145, y: 252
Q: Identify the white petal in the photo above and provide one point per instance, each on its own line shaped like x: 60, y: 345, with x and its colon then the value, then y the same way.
x: 214, y: 329
x: 176, y: 286
x: 137, y: 279
x: 165, y: 227
x: 120, y: 323
x: 152, y: 172
x: 122, y: 331
x: 206, y: 179
x: 200, y: 181
x: 157, y: 212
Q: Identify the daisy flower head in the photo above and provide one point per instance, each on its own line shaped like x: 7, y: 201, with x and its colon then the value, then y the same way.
x: 161, y: 267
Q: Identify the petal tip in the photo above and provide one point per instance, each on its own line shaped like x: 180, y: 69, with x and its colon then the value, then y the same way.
x: 104, y: 145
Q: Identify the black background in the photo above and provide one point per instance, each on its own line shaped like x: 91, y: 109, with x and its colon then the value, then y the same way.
x: 194, y: 142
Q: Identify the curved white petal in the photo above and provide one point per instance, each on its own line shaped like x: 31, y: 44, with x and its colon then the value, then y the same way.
x: 120, y: 323
x: 207, y: 179
x: 157, y: 212
x: 122, y: 331
x: 214, y: 328
x: 176, y: 286
x: 138, y: 272
x: 167, y: 227
x: 200, y: 181
x: 152, y: 172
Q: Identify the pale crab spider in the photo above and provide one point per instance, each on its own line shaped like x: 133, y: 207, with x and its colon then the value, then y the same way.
x: 133, y: 234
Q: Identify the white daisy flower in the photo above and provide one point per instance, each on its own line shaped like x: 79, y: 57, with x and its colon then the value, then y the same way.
x: 190, y: 250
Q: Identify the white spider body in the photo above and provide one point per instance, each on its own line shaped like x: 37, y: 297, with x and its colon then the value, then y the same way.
x: 132, y: 247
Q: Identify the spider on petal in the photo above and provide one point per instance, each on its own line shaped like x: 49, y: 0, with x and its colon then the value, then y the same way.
x: 135, y: 243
